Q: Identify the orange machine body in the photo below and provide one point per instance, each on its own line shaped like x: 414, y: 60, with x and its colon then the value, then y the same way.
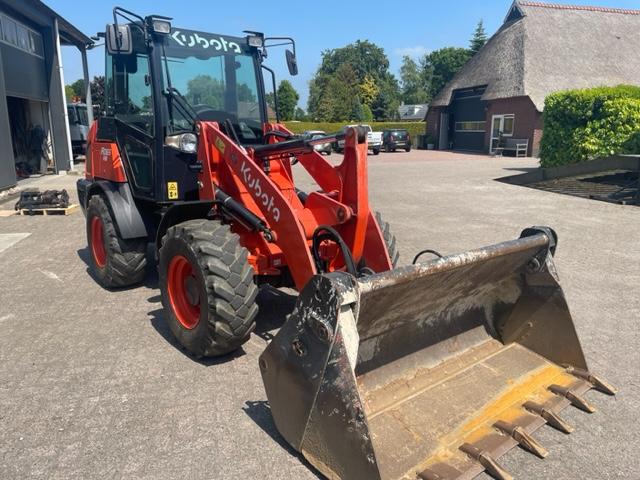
x: 265, y: 186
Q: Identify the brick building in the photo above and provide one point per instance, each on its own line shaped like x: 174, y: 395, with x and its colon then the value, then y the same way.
x: 540, y: 48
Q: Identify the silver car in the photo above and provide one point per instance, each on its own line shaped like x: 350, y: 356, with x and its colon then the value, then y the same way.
x: 321, y: 148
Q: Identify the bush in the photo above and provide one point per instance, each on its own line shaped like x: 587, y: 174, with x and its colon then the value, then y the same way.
x: 581, y: 125
x: 414, y: 128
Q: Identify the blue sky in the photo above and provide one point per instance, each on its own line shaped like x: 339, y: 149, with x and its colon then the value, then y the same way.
x: 402, y: 28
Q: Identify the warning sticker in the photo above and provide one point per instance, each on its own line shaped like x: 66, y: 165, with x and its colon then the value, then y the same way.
x: 172, y: 190
x: 220, y: 145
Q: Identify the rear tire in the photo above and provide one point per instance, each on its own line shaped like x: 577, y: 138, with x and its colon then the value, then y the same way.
x: 115, y: 262
x: 376, y: 151
x: 389, y: 240
x: 207, y: 287
x: 408, y: 149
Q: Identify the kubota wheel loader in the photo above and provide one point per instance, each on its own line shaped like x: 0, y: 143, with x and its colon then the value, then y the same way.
x: 428, y: 371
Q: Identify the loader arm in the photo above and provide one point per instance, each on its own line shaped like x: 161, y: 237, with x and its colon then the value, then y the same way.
x: 262, y: 181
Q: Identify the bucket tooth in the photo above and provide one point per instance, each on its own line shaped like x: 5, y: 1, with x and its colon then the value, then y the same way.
x: 492, y: 467
x: 440, y: 471
x: 552, y: 418
x: 524, y: 439
x: 575, y: 399
x: 430, y: 475
x: 597, y: 382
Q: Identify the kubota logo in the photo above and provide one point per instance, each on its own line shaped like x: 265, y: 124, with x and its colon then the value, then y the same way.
x: 194, y: 39
x: 105, y: 153
x: 256, y: 189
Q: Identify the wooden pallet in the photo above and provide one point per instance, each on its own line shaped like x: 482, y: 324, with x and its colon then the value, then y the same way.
x: 50, y: 211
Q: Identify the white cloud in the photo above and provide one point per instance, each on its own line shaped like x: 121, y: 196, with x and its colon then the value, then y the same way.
x: 413, y: 52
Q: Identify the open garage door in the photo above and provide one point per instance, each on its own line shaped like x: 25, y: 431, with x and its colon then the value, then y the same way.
x: 468, y: 120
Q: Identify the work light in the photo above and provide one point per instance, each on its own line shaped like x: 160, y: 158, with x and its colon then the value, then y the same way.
x: 161, y: 26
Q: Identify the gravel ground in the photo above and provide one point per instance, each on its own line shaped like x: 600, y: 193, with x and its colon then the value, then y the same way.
x: 93, y: 386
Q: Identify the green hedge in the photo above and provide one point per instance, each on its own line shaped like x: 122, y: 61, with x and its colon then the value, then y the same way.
x: 581, y: 125
x: 414, y: 128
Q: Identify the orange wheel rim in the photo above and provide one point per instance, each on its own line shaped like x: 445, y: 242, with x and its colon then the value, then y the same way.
x: 97, y: 242
x: 182, y: 287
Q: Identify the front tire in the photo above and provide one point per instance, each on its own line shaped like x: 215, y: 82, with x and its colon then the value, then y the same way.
x: 115, y: 262
x: 376, y: 151
x: 207, y: 287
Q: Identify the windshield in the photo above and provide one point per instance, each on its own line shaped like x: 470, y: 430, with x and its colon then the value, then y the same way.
x: 82, y: 115
x: 219, y: 83
x: 78, y: 115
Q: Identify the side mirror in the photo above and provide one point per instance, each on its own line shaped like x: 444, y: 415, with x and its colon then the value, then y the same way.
x: 119, y: 41
x: 292, y: 62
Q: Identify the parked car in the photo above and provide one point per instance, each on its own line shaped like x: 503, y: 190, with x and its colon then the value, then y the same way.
x: 321, y: 148
x: 374, y: 139
x: 394, y: 138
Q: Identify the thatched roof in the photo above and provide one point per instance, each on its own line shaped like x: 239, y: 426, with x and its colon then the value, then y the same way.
x: 542, y: 48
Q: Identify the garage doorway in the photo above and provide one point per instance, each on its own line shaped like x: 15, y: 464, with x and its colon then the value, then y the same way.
x: 467, y: 120
x: 30, y: 136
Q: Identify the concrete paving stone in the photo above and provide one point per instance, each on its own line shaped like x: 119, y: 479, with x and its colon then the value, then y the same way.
x: 93, y: 386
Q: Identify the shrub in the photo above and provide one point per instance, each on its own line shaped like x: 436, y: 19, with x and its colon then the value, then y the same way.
x: 581, y: 125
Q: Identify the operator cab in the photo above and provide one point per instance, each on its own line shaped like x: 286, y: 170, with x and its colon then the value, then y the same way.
x: 161, y: 80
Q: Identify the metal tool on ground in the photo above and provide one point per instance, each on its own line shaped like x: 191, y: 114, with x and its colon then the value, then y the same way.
x: 432, y: 370
x: 33, y: 201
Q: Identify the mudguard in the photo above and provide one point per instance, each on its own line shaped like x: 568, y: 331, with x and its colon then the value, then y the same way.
x: 121, y: 202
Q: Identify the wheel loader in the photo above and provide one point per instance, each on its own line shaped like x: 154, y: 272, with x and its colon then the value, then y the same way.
x: 432, y: 370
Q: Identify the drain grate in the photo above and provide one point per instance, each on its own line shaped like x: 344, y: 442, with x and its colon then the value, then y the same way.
x: 601, y: 184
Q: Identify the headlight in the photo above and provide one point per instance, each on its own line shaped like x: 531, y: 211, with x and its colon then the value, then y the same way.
x: 185, y: 142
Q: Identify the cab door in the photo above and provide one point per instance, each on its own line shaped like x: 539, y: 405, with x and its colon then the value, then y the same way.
x: 134, y: 117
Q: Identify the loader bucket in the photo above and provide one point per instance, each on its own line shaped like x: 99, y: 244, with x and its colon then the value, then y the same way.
x: 430, y: 371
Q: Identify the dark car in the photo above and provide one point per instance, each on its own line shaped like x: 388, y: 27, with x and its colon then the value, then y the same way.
x: 394, y: 138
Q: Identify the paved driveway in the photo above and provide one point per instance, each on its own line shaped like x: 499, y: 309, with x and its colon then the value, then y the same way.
x: 93, y: 386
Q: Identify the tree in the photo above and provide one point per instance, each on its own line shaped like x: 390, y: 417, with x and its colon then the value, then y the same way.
x: 440, y: 66
x: 287, y: 100
x: 205, y: 90
x: 69, y: 93
x: 367, y: 114
x: 97, y: 92
x: 300, y: 115
x: 479, y: 38
x: 412, y: 83
x: 385, y: 106
x: 76, y: 90
x: 270, y: 99
x: 356, y: 73
x: 245, y: 93
x: 368, y: 90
